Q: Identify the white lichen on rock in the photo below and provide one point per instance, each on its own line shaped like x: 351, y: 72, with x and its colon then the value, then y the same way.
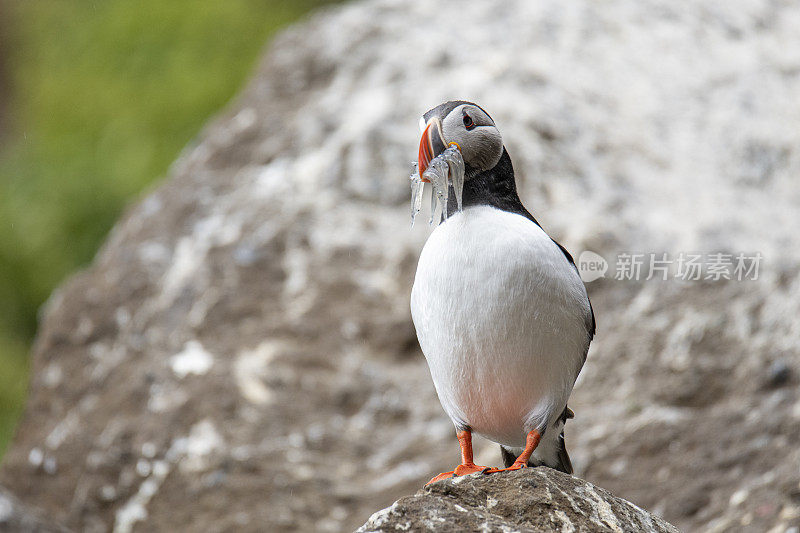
x: 193, y: 359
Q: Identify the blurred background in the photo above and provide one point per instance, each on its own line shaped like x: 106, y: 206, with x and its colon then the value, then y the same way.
x: 239, y: 354
x: 96, y: 100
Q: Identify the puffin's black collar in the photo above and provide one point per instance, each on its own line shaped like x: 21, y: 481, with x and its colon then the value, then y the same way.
x: 495, y: 187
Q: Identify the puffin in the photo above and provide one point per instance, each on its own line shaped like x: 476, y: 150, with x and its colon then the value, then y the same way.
x: 500, y: 311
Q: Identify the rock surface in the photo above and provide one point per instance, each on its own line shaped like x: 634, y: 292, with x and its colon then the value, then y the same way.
x: 528, y: 500
x: 241, y: 356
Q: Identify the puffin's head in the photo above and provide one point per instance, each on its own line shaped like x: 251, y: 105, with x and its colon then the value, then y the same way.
x: 467, y: 126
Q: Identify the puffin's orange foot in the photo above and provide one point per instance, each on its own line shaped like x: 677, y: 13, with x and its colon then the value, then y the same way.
x: 515, y: 466
x: 471, y: 468
x: 461, y: 470
x: 443, y: 475
x: 531, y: 442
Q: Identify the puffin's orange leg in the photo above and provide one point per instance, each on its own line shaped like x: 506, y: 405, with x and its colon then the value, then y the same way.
x: 531, y: 442
x: 466, y: 466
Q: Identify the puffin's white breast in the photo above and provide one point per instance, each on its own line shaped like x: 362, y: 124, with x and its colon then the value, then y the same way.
x: 501, y: 318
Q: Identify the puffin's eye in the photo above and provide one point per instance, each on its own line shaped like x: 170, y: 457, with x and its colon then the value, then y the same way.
x: 468, y: 122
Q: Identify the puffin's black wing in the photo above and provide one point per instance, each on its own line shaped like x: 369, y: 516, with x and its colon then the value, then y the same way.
x: 566, y: 253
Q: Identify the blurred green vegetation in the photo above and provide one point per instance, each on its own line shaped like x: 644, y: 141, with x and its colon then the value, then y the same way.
x: 103, y: 95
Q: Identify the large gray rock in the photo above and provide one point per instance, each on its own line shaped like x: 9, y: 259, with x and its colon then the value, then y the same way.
x: 525, y: 501
x: 240, y: 355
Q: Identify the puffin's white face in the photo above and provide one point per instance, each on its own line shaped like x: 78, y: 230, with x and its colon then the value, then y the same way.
x: 468, y: 127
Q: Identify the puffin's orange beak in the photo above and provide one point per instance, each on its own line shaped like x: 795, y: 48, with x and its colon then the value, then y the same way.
x: 430, y: 146
x: 425, y: 152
